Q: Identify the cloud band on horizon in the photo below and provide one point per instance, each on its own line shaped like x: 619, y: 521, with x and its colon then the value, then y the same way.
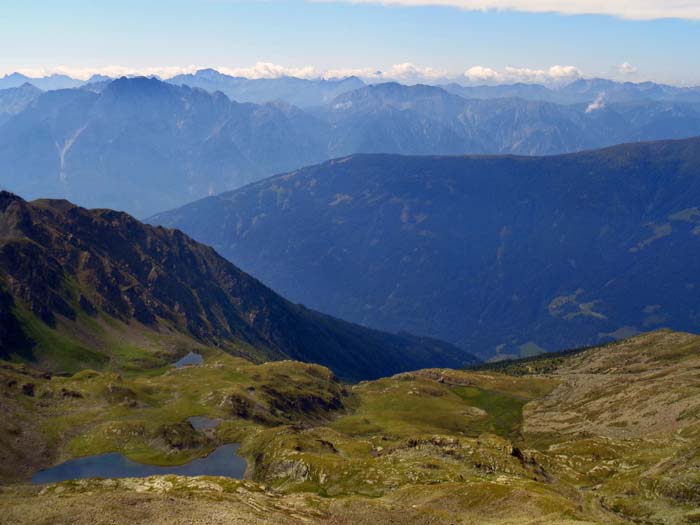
x: 627, y: 9
x: 404, y: 72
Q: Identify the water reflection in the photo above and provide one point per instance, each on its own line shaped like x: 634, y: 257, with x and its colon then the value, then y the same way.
x: 224, y: 461
x: 193, y: 358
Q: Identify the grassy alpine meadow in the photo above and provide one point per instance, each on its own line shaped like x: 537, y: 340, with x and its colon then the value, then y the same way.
x: 454, y: 443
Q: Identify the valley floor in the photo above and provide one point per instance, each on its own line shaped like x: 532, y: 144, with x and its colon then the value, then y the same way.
x: 605, y: 435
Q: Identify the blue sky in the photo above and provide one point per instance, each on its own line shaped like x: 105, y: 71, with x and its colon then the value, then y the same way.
x: 403, y: 40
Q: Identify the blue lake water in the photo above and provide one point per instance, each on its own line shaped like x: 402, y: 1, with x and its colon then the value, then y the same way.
x: 202, y: 422
x: 224, y: 461
x: 193, y: 358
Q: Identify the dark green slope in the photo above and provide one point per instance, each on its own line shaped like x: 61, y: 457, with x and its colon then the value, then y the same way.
x: 69, y: 275
x: 505, y: 255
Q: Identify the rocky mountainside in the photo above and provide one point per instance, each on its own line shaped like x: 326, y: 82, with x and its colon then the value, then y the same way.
x: 499, y: 255
x: 143, y: 146
x: 98, y: 288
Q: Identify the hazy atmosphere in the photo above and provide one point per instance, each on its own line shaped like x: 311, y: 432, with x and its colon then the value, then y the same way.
x: 470, y: 41
x: 354, y: 262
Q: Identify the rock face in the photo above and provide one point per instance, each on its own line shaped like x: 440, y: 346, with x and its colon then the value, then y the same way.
x: 62, y: 266
x: 500, y: 255
x: 181, y: 436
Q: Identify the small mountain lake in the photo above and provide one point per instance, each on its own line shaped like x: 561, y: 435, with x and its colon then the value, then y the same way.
x: 224, y: 461
x: 202, y: 422
x: 193, y: 358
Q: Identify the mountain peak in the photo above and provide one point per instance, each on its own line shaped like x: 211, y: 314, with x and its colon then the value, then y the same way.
x: 7, y: 198
x: 16, y: 76
x: 127, y: 86
x: 209, y: 73
x: 99, y: 78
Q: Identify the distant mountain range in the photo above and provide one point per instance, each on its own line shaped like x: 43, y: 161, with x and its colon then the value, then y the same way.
x: 143, y: 145
x: 582, y: 91
x: 296, y: 91
x: 426, y: 120
x: 304, y: 92
x: 501, y: 255
x: 83, y: 288
x: 14, y: 80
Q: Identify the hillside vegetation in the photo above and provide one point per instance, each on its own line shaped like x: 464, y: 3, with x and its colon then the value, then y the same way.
x: 607, y: 435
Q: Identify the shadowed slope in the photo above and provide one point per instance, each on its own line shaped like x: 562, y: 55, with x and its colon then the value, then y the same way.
x: 500, y: 254
x: 69, y: 275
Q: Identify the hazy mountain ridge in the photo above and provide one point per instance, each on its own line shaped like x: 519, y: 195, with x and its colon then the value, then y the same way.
x: 392, y: 118
x: 296, y: 91
x: 14, y: 100
x: 581, y: 91
x: 68, y: 268
x: 46, y: 83
x: 318, y: 91
x: 496, y: 254
x: 142, y: 145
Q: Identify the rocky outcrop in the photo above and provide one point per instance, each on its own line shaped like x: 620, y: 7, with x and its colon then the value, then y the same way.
x: 182, y: 436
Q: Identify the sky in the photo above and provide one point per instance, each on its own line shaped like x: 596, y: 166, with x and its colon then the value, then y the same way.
x: 471, y: 41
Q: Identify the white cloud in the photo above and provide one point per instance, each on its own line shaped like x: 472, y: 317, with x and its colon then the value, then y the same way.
x: 598, y: 103
x: 627, y: 69
x: 366, y: 72
x: 269, y: 70
x: 84, y: 73
x: 553, y: 75
x: 259, y: 70
x: 408, y: 71
x: 405, y: 72
x: 630, y: 9
x: 483, y: 74
x: 563, y: 72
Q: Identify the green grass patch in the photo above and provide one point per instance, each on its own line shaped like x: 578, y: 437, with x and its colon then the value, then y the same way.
x: 56, y: 351
x: 404, y: 408
x: 133, y: 359
x: 505, y: 412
